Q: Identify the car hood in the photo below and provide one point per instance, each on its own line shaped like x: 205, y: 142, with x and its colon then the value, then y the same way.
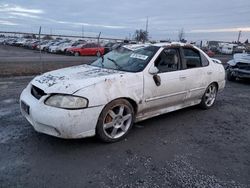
x: 240, y: 58
x: 73, y: 79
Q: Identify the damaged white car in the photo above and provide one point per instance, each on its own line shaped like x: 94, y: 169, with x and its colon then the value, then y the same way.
x: 238, y: 67
x: 125, y: 86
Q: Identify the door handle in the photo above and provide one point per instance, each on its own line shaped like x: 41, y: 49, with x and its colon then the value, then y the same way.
x: 182, y: 77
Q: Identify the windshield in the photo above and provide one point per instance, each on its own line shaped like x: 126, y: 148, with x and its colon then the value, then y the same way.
x: 127, y: 60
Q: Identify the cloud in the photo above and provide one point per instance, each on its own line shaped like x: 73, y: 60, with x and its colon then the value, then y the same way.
x: 121, y: 18
x: 223, y: 30
x: 4, y: 22
x: 16, y: 8
x: 88, y: 24
x: 24, y: 15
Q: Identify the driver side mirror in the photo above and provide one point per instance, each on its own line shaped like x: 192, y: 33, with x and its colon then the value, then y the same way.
x: 153, y: 70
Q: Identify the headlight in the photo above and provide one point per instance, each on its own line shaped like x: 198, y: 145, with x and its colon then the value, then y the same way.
x: 67, y: 101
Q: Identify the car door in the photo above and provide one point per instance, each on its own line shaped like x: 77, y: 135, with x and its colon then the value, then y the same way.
x: 86, y: 49
x: 171, y: 90
x: 196, y: 72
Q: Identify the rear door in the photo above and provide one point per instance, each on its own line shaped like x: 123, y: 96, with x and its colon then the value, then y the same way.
x: 197, y: 73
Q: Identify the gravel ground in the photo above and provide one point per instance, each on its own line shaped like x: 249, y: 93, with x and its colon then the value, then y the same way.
x: 186, y: 148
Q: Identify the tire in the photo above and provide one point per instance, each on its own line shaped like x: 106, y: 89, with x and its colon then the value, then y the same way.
x: 76, y: 54
x: 115, y: 121
x: 209, y: 97
x: 98, y: 54
x: 230, y: 77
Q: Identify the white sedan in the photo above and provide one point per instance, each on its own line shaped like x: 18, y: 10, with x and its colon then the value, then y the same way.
x: 125, y: 86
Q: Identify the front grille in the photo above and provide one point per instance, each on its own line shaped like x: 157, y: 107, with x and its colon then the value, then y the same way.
x: 245, y: 66
x: 37, y: 92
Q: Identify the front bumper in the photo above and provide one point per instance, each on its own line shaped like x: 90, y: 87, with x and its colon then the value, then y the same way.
x: 240, y: 73
x: 59, y: 122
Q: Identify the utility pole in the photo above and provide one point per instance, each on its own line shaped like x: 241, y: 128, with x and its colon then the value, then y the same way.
x: 82, y: 31
x: 147, y: 25
x: 239, y: 35
x: 40, y: 52
x: 146, y: 29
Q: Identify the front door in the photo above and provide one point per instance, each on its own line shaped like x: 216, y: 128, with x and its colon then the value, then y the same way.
x: 171, y: 90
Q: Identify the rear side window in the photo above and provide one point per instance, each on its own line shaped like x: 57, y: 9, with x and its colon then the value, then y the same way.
x: 87, y: 45
x: 192, y: 58
x: 204, y: 60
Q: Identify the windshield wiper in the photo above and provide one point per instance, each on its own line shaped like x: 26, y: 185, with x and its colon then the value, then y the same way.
x: 118, y: 66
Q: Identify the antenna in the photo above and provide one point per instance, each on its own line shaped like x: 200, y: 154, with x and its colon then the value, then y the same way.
x: 82, y: 31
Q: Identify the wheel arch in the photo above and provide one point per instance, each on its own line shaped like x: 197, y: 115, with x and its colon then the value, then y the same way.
x: 131, y: 101
x: 216, y: 84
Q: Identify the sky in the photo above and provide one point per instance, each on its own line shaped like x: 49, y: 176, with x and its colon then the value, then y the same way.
x: 200, y: 19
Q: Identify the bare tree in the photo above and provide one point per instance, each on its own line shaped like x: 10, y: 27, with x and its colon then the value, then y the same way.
x: 181, y: 35
x: 141, y: 35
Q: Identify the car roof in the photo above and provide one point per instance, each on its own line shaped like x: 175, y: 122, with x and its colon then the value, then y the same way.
x: 162, y: 44
x: 134, y: 47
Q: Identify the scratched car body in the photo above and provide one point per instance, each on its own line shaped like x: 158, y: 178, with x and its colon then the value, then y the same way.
x: 127, y: 85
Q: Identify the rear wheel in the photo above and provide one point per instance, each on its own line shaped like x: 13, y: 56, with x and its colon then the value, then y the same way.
x: 115, y: 121
x: 76, y: 54
x: 209, y: 96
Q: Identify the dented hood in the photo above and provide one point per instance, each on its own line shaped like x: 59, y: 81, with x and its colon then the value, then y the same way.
x: 73, y: 79
x: 240, y: 58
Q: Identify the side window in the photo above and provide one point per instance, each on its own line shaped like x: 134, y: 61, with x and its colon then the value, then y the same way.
x: 168, y: 60
x: 204, y: 60
x: 88, y: 45
x: 192, y: 57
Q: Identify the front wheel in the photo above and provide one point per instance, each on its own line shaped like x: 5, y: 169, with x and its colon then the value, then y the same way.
x: 98, y: 54
x: 230, y: 77
x: 209, y: 96
x: 115, y: 121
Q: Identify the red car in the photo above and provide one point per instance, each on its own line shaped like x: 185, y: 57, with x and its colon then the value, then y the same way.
x: 210, y: 53
x: 86, y: 49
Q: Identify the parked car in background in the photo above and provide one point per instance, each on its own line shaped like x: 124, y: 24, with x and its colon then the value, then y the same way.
x: 226, y: 48
x: 238, y: 67
x: 239, y: 49
x: 52, y: 48
x: 86, y: 49
x: 209, y: 52
x: 120, y: 88
x: 63, y: 47
x: 46, y: 44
